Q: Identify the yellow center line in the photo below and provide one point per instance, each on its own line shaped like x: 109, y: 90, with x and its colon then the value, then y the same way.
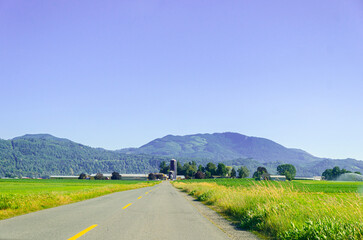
x: 146, y: 192
x: 128, y: 205
x: 139, y: 197
x: 83, y: 232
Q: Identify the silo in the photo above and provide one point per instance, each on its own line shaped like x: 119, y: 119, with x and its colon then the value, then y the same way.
x: 173, y: 167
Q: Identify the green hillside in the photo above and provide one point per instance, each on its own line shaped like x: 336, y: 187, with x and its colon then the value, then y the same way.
x: 236, y: 149
x: 42, y: 155
x: 223, y: 146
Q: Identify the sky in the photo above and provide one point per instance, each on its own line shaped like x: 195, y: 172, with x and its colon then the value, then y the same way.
x: 118, y: 74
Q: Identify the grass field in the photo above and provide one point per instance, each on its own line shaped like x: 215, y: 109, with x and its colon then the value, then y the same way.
x: 28, y: 195
x: 286, y: 210
x: 300, y: 185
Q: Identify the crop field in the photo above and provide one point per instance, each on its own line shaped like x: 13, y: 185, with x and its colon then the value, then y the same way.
x: 28, y: 195
x: 285, y: 210
x: 301, y: 185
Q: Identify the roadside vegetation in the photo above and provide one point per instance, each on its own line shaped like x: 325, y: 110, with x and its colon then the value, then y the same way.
x: 285, y: 210
x: 28, y: 195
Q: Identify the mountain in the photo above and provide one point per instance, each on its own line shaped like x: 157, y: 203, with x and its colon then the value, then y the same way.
x: 223, y: 146
x: 43, y: 154
x: 36, y: 155
x: 237, y: 149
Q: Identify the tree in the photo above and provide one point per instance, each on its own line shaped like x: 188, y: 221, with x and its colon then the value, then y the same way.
x: 229, y: 169
x: 336, y: 172
x: 260, y: 170
x: 211, y: 167
x: 8, y: 175
x: 179, y: 168
x: 99, y: 176
x: 233, y: 173
x: 115, y: 176
x: 332, y: 174
x: 201, y: 168
x: 164, y: 168
x: 221, y: 170
x: 344, y: 171
x: 358, y: 173
x: 190, y: 171
x: 199, y: 175
x: 243, y: 172
x: 82, y: 176
x: 208, y: 174
x: 288, y: 170
x: 328, y: 174
x: 151, y: 176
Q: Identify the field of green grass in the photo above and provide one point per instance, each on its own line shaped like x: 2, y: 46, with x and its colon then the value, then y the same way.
x: 286, y: 210
x: 28, y: 195
x: 301, y: 185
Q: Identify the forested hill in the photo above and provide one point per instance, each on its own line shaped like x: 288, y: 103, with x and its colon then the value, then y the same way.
x: 223, y: 146
x: 42, y: 154
x: 236, y: 149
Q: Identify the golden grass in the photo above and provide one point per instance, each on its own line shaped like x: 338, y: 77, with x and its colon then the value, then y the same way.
x: 275, y: 209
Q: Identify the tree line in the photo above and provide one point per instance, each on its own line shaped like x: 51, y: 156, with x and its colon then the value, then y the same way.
x: 210, y: 170
x: 192, y: 170
x: 334, y: 173
x: 287, y: 170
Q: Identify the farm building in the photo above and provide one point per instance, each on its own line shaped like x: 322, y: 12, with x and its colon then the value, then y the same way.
x: 125, y: 176
x: 64, y: 177
x: 107, y: 176
x: 277, y: 178
x: 267, y: 176
x: 180, y: 177
x: 315, y: 178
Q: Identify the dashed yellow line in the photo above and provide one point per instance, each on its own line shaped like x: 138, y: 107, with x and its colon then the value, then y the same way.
x: 83, y: 232
x: 139, y: 197
x: 146, y: 192
x: 128, y: 205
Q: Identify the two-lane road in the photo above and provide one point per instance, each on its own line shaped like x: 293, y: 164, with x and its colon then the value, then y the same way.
x: 158, y: 212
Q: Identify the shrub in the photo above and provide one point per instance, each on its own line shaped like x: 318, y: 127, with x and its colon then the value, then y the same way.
x: 115, y: 176
x: 99, y: 176
x: 82, y: 176
x: 199, y: 175
x: 151, y: 176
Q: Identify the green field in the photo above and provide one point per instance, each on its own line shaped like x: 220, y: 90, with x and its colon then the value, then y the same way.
x: 300, y: 185
x: 28, y: 195
x: 286, y: 210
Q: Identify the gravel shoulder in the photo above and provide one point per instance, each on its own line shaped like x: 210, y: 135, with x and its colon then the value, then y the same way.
x: 219, y: 221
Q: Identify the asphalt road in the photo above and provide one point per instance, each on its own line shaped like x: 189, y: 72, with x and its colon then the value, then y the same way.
x: 158, y: 212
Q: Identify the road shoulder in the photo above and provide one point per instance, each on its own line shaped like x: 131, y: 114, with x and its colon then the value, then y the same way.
x: 219, y: 221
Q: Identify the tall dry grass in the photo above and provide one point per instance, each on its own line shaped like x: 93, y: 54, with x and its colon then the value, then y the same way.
x: 283, y: 212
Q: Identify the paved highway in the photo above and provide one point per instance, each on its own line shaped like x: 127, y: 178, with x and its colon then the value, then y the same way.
x: 158, y: 212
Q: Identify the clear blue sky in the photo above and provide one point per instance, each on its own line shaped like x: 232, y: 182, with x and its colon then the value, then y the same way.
x: 117, y: 74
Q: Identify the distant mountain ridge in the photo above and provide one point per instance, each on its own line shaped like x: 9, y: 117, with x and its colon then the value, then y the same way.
x: 238, y: 149
x: 223, y: 146
x: 36, y: 155
x: 44, y: 154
